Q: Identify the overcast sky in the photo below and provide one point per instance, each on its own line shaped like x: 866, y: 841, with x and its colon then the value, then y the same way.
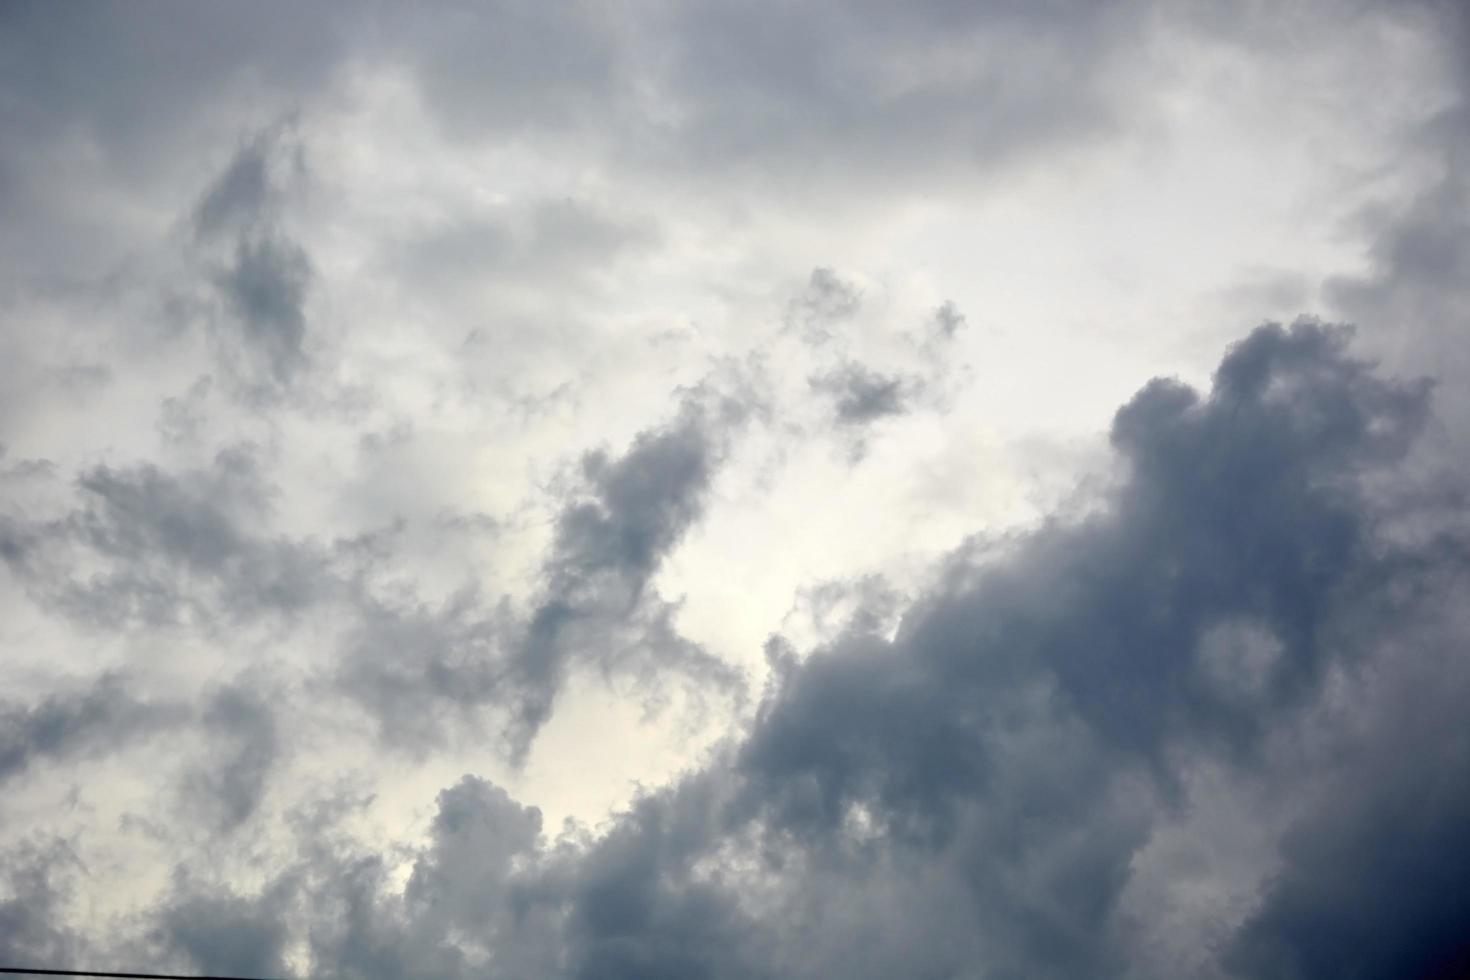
x: 736, y: 489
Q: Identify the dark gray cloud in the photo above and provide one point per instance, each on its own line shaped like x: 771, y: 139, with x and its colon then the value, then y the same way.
x: 1367, y: 882
x: 636, y: 507
x: 961, y: 785
x: 1013, y: 728
x: 100, y: 717
x: 419, y: 668
x: 167, y: 547
x: 831, y: 94
x: 410, y: 663
x: 249, y: 192
x: 818, y: 94
x: 608, y: 545
x: 228, y: 787
x: 128, y: 75
x: 37, y: 880
x: 968, y: 798
x: 265, y: 287
x: 861, y: 395
x: 135, y: 87
x: 466, y: 875
x: 219, y: 933
x: 1372, y: 883
x: 264, y: 276
x: 1414, y: 295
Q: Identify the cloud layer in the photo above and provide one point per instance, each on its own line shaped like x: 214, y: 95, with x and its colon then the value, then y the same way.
x: 720, y: 491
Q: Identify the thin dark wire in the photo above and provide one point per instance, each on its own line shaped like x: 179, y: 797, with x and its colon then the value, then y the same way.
x: 125, y: 976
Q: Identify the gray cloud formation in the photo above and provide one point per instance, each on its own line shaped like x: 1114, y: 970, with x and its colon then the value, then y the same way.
x: 103, y: 716
x: 1414, y: 293
x: 948, y: 322
x: 227, y: 788
x: 968, y: 798
x: 409, y: 664
x: 827, y: 301
x: 222, y: 934
x: 860, y: 395
x: 165, y: 548
x: 823, y: 91
x: 266, y: 286
x: 248, y: 192
x: 132, y: 86
x: 37, y: 877
x: 820, y: 93
x: 1373, y: 873
x: 264, y: 278
x: 970, y: 795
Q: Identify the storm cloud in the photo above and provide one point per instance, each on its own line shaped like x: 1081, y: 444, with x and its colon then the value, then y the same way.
x: 795, y: 490
x: 969, y: 796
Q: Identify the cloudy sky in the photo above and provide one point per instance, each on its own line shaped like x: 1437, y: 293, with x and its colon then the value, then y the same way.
x: 736, y: 489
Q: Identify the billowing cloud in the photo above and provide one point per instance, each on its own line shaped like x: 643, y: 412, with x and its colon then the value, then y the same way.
x: 1394, y: 829
x: 969, y: 797
x: 675, y: 490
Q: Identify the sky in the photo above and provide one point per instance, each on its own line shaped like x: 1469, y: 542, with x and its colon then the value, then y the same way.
x: 729, y: 489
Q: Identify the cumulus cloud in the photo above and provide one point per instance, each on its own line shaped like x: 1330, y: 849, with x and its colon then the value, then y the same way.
x: 1401, y: 838
x: 221, y: 934
x: 1413, y: 288
x: 968, y: 797
x: 390, y: 395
